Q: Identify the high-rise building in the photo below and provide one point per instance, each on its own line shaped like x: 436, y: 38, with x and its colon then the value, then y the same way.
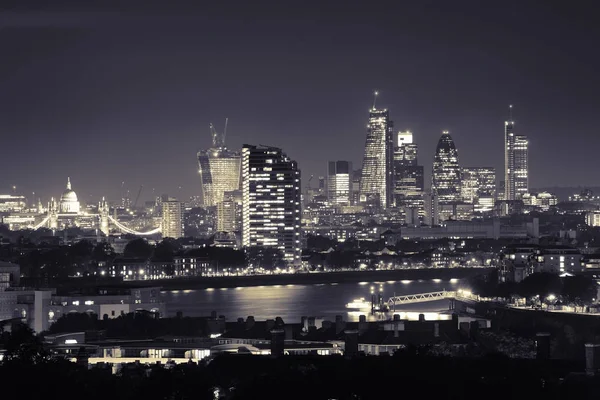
x: 339, y: 182
x: 229, y: 212
x: 376, y: 184
x: 478, y: 182
x: 516, y: 174
x: 479, y: 188
x: 219, y: 169
x: 271, y: 201
x: 172, y: 218
x: 446, y: 181
x: 408, y: 175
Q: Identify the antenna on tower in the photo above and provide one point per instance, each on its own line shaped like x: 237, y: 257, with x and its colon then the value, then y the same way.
x: 510, y: 117
x: 225, y: 130
x: 375, y: 94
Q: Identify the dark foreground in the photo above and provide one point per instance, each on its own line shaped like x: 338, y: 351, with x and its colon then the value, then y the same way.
x: 287, y: 279
x: 405, y: 375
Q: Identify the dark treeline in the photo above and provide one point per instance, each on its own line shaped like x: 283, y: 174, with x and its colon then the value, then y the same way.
x: 541, y: 287
x: 407, y: 373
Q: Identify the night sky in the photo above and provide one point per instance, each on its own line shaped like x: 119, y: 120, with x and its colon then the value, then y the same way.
x: 108, y: 93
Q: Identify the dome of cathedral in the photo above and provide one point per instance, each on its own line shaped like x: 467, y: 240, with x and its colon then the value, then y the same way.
x: 68, y: 201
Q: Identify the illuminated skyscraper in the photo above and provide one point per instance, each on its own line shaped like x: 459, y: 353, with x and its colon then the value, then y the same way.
x: 408, y: 176
x: 446, y: 182
x: 339, y: 182
x: 516, y: 174
x: 219, y: 169
x: 271, y: 201
x: 172, y: 219
x: 479, y: 188
x: 376, y: 184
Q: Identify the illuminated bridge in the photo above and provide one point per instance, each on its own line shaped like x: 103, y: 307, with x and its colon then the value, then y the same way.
x: 433, y: 296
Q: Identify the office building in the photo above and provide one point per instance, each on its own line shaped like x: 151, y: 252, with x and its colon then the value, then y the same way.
x: 446, y: 180
x: 271, y: 201
x: 516, y: 173
x: 479, y: 188
x: 376, y: 184
x: 408, y: 175
x: 339, y: 183
x: 172, y: 218
x: 219, y: 169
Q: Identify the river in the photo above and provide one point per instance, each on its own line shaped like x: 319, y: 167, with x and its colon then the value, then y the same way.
x: 291, y: 302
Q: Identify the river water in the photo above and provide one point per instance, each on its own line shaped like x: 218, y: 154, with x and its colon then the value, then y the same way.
x: 291, y: 302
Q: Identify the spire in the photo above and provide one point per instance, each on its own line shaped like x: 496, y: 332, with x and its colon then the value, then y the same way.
x: 68, y: 183
x: 375, y: 94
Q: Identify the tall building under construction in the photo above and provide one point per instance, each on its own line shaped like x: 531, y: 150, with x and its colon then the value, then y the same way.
x: 219, y: 169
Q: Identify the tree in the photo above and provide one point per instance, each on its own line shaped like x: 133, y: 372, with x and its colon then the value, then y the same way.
x: 541, y: 284
x: 138, y: 248
x: 164, y: 251
x: 268, y: 258
x: 23, y: 346
x: 579, y: 289
x: 103, y: 252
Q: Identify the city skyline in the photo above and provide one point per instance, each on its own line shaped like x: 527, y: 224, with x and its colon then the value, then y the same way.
x: 150, y: 88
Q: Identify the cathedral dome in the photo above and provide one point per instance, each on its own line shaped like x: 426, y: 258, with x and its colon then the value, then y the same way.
x: 68, y: 201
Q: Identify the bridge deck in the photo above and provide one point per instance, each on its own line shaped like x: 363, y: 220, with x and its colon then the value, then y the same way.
x: 432, y: 296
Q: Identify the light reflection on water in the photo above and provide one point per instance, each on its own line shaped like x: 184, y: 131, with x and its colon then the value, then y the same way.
x: 291, y: 302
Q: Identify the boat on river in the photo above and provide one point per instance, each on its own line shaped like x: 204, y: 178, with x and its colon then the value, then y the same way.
x: 359, y: 304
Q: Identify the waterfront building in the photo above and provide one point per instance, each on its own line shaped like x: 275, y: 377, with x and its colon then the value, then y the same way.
x: 446, y: 182
x: 516, y: 169
x: 219, y: 169
x: 339, y: 183
x: 172, y: 218
x: 271, y: 208
x: 376, y: 184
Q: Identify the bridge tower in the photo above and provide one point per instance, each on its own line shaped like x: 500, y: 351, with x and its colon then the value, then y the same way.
x: 53, y: 215
x: 103, y: 210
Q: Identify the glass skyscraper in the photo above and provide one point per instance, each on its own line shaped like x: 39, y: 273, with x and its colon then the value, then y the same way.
x: 376, y: 184
x: 446, y: 179
x: 219, y: 170
x: 339, y: 182
x: 516, y: 175
x: 408, y: 175
x: 271, y: 201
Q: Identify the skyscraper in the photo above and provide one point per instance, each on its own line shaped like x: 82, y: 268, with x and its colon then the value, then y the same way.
x: 408, y: 175
x: 339, y: 182
x: 516, y: 174
x: 479, y: 187
x: 446, y: 180
x: 219, y: 169
x: 271, y: 201
x: 376, y: 184
x: 172, y: 218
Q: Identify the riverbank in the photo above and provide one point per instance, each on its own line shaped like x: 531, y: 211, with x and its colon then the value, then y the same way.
x: 444, y: 274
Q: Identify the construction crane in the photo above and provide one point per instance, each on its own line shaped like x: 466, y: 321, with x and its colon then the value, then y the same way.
x: 138, y: 196
x: 308, y: 184
x: 218, y: 139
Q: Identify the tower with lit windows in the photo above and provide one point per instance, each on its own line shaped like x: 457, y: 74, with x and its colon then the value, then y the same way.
x: 446, y: 177
x: 408, y: 175
x: 339, y: 183
x: 516, y: 168
x: 376, y: 183
x: 219, y: 169
x: 271, y: 201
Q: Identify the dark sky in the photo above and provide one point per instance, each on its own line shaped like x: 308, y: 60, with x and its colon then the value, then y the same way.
x: 105, y: 93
